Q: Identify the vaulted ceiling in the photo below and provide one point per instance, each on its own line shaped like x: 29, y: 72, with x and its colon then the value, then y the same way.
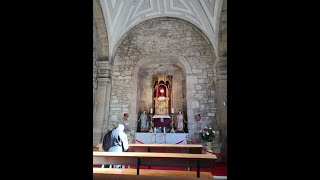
x: 122, y: 15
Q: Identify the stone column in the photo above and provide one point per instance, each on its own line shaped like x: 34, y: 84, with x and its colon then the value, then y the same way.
x: 221, y: 84
x: 191, y: 81
x: 100, y: 122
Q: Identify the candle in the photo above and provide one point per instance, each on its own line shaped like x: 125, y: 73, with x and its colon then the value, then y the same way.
x: 164, y: 129
x: 151, y: 110
x: 155, y: 130
x: 172, y: 110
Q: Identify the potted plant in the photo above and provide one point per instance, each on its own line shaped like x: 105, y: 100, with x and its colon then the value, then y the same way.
x: 207, y: 134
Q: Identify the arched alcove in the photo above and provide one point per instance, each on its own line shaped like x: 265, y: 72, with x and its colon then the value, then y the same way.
x: 167, y: 42
x: 149, y: 66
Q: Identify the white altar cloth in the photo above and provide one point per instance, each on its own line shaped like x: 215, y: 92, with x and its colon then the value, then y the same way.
x: 161, y: 138
x: 161, y: 116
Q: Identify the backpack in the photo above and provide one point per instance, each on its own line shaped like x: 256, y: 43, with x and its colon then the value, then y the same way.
x: 106, y: 141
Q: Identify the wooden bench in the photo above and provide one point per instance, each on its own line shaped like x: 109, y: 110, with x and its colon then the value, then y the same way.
x: 169, y: 148
x: 155, y: 174
x: 166, y: 148
x: 155, y: 159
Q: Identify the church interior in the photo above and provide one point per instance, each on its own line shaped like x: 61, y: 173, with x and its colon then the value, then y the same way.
x: 160, y: 69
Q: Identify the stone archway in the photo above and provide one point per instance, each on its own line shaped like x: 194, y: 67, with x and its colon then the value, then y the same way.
x: 175, y: 41
x: 177, y: 60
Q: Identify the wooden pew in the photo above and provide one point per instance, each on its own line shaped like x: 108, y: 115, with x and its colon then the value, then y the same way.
x: 155, y: 159
x: 166, y: 148
x: 146, y: 174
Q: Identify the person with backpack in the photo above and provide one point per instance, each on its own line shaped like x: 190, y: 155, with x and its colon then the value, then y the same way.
x: 115, y: 141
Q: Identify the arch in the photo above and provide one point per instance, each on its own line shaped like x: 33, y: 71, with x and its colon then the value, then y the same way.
x: 178, y: 43
x: 147, y: 60
x: 124, y: 35
x: 102, y: 34
x: 144, y: 19
x: 176, y: 59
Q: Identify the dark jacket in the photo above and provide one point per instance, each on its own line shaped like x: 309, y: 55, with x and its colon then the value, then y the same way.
x: 113, y: 138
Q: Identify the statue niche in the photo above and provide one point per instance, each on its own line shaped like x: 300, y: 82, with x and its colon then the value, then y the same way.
x: 161, y: 100
x: 161, y: 94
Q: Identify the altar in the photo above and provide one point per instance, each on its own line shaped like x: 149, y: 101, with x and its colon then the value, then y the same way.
x: 160, y: 118
x: 161, y: 138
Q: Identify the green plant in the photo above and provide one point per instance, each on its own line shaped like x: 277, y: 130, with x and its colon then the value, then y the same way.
x: 207, y: 134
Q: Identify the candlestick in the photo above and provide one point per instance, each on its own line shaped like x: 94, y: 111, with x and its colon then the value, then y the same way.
x: 172, y: 110
x: 172, y: 125
x: 164, y: 129
x: 151, y: 111
x: 155, y: 130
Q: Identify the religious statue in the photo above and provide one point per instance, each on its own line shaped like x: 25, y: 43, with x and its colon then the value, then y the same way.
x: 161, y: 92
x: 180, y: 121
x: 144, y: 121
x: 161, y: 96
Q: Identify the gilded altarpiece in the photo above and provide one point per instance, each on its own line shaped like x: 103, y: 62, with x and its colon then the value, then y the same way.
x: 162, y: 99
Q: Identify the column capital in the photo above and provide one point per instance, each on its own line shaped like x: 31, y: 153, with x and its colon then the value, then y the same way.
x: 103, y: 79
x: 103, y: 69
x: 221, y: 66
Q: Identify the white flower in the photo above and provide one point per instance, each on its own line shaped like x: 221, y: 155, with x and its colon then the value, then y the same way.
x: 213, y: 131
x: 209, y: 127
x: 207, y: 133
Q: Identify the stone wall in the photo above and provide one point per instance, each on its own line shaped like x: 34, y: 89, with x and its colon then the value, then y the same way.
x: 95, y: 58
x: 158, y: 38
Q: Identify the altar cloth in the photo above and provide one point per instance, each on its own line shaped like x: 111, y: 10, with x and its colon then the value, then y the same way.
x: 161, y: 116
x: 161, y: 138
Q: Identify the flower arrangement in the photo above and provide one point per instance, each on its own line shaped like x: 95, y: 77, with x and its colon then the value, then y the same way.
x: 207, y: 134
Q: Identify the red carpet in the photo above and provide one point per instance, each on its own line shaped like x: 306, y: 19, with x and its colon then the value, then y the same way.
x: 219, y: 170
